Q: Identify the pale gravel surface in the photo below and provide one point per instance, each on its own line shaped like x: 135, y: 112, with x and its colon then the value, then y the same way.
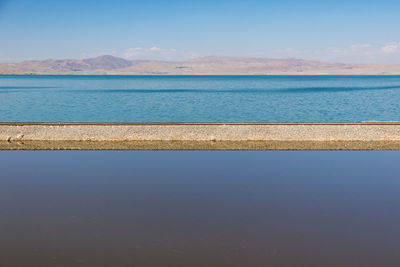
x: 201, y: 136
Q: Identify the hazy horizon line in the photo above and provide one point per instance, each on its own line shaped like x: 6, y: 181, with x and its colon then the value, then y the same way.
x: 194, y: 58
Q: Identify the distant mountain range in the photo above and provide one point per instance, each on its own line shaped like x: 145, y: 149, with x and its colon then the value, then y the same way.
x: 199, y: 66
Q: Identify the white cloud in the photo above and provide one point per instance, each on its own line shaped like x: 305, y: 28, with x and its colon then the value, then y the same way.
x: 154, y: 53
x: 391, y: 48
x: 154, y: 48
x: 132, y: 52
x: 139, y: 52
x: 334, y: 51
x: 94, y: 54
x: 356, y: 53
x: 357, y: 47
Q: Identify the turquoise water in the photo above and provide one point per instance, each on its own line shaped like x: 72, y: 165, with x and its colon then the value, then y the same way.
x: 199, y: 98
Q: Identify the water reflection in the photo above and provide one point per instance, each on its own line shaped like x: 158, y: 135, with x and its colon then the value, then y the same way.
x: 127, y: 208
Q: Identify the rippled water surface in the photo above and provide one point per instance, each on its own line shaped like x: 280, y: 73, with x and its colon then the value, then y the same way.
x: 199, y: 98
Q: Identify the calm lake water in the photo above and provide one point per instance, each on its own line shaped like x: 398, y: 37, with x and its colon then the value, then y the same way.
x: 199, y: 98
x: 137, y: 208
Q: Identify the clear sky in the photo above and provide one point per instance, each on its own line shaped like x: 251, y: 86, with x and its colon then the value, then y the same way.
x: 335, y: 30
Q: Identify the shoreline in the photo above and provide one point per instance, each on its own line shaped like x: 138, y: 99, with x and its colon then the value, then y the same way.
x: 200, y: 136
x: 205, y: 75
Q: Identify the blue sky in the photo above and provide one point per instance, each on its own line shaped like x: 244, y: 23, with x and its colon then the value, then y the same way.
x: 346, y: 31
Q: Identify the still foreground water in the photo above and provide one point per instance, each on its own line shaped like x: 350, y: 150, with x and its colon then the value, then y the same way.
x: 137, y: 208
x: 199, y: 98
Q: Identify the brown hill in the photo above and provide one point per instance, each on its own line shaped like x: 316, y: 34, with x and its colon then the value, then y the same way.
x: 199, y: 66
x: 107, y: 63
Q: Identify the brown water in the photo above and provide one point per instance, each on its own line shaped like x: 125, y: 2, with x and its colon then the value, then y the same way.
x: 199, y: 208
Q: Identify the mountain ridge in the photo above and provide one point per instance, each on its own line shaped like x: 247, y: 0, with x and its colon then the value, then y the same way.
x: 209, y: 65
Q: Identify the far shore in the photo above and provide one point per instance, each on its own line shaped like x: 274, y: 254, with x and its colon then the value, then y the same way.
x: 212, y: 65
